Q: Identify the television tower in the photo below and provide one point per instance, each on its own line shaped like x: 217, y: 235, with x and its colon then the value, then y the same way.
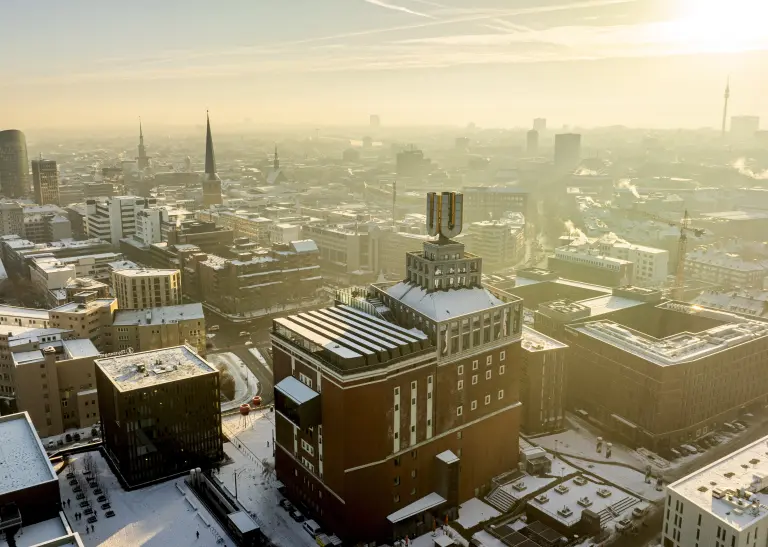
x: 725, y: 106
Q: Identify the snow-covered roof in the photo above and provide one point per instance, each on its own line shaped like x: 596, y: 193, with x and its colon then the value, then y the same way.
x: 145, y: 272
x: 147, y: 368
x: 23, y: 460
x: 243, y: 522
x: 26, y: 357
x: 743, y: 469
x: 419, y: 506
x: 447, y: 457
x: 296, y: 390
x: 444, y: 304
x: 536, y: 341
x: 608, y: 303
x: 160, y: 315
x: 304, y: 246
x: 26, y: 313
x: 77, y: 349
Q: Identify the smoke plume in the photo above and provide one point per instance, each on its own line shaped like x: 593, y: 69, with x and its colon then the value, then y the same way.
x: 624, y: 183
x: 741, y: 166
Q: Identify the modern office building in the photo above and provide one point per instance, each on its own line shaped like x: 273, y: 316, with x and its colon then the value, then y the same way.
x: 665, y: 374
x: 543, y: 381
x: 114, y: 218
x: 722, y: 504
x: 591, y: 266
x: 51, y: 275
x: 157, y: 328
x: 45, y: 181
x: 160, y: 413
x: 14, y: 164
x: 532, y: 143
x: 211, y: 180
x: 11, y: 218
x: 567, y: 150
x: 56, y: 385
x: 438, y: 356
x: 501, y: 242
x: 343, y: 249
x: 46, y: 226
x: 146, y: 288
x: 18, y: 253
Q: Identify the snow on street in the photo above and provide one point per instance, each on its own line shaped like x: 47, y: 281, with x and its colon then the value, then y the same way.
x: 246, y: 384
x: 623, y: 476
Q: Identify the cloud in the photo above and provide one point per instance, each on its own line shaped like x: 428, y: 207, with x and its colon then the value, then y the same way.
x: 395, y: 7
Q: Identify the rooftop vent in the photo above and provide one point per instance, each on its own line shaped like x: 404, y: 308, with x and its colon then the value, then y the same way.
x: 141, y: 368
x: 729, y: 475
x: 565, y: 512
x: 541, y: 499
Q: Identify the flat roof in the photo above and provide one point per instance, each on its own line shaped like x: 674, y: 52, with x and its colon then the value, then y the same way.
x: 744, y: 469
x: 243, y: 522
x: 144, y: 272
x: 447, y: 457
x: 23, y: 460
x: 737, y: 215
x: 79, y: 348
x: 535, y: 341
x: 160, y: 315
x: 419, y: 506
x: 78, y: 307
x: 30, y: 313
x: 159, y: 366
x: 609, y: 303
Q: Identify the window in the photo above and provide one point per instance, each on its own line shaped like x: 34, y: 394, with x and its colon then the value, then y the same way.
x: 458, y: 434
x: 487, y: 399
x: 474, y: 364
x: 397, y: 461
x: 306, y: 380
x: 397, y: 498
x: 502, y: 355
x: 474, y: 379
x: 460, y: 385
x: 501, y: 369
x: 397, y: 391
x: 489, y: 360
x: 414, y: 454
x: 488, y: 374
x: 413, y: 474
x: 461, y: 369
x: 413, y: 491
x: 459, y: 410
x: 413, y: 385
x: 307, y: 447
x: 501, y: 394
x: 397, y: 480
x: 473, y: 405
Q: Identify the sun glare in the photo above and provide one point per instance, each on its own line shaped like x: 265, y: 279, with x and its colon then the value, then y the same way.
x: 722, y: 25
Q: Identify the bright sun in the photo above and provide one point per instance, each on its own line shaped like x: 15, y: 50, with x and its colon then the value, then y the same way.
x: 722, y: 25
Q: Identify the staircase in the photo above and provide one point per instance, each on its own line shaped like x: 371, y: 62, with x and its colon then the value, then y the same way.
x: 613, y: 511
x: 500, y: 499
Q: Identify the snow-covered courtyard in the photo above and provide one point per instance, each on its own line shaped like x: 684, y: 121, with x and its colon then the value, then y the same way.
x: 246, y: 383
x: 163, y: 515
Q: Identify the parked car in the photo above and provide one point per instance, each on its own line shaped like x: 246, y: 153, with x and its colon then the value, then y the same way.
x: 213, y: 328
x: 676, y: 453
x: 296, y: 515
x: 739, y: 426
x: 285, y: 504
x: 312, y: 528
x: 699, y: 446
x: 638, y: 512
x: 248, y: 343
x: 730, y: 427
x: 689, y: 449
x: 50, y: 445
x: 244, y: 333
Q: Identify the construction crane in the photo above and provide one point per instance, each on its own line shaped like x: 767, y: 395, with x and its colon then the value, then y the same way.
x: 682, y: 245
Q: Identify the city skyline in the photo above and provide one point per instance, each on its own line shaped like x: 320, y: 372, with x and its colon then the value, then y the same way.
x: 414, y: 62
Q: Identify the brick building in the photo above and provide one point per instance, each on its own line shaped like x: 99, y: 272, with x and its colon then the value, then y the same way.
x: 542, y: 382
x: 401, y: 402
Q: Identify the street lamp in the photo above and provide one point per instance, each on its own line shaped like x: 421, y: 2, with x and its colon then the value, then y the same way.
x: 236, y: 473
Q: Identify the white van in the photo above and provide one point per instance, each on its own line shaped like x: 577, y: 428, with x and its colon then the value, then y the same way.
x: 312, y: 528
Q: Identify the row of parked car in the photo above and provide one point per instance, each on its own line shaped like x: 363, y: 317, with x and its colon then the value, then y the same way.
x: 704, y: 443
x: 309, y: 525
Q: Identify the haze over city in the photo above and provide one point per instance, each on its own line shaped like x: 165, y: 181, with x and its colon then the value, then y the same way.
x: 652, y: 63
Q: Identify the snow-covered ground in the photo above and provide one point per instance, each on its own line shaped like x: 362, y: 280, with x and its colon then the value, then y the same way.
x: 257, y: 354
x: 163, y: 515
x: 428, y: 539
x: 85, y: 438
x: 246, y: 384
x: 474, y: 511
x: 251, y: 445
x: 487, y: 540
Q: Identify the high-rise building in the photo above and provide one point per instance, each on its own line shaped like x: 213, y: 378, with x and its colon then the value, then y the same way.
x: 142, y: 159
x: 532, y: 142
x: 45, y: 181
x: 11, y: 218
x: 146, y: 288
x: 114, y: 218
x: 437, y: 355
x: 540, y: 124
x: 567, y: 150
x: 160, y: 413
x: 14, y: 165
x: 211, y: 181
x: 744, y: 128
x: 722, y: 504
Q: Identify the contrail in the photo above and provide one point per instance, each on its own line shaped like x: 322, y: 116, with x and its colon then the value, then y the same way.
x: 395, y: 7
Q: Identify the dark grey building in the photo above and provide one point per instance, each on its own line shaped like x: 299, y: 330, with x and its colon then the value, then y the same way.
x: 45, y: 180
x: 14, y: 165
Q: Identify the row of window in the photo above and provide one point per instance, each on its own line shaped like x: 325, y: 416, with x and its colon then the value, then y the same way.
x: 473, y: 404
x: 488, y: 375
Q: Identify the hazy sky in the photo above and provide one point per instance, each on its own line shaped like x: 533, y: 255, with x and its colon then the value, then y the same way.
x: 495, y: 62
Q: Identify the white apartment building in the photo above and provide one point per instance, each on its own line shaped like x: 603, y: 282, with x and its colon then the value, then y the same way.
x: 721, y: 505
x: 152, y: 223
x: 501, y: 243
x: 146, y: 288
x: 53, y: 274
x: 114, y: 218
x: 651, y: 264
x: 284, y: 233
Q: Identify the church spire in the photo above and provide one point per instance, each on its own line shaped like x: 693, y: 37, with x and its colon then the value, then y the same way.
x: 210, y: 159
x: 276, y: 164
